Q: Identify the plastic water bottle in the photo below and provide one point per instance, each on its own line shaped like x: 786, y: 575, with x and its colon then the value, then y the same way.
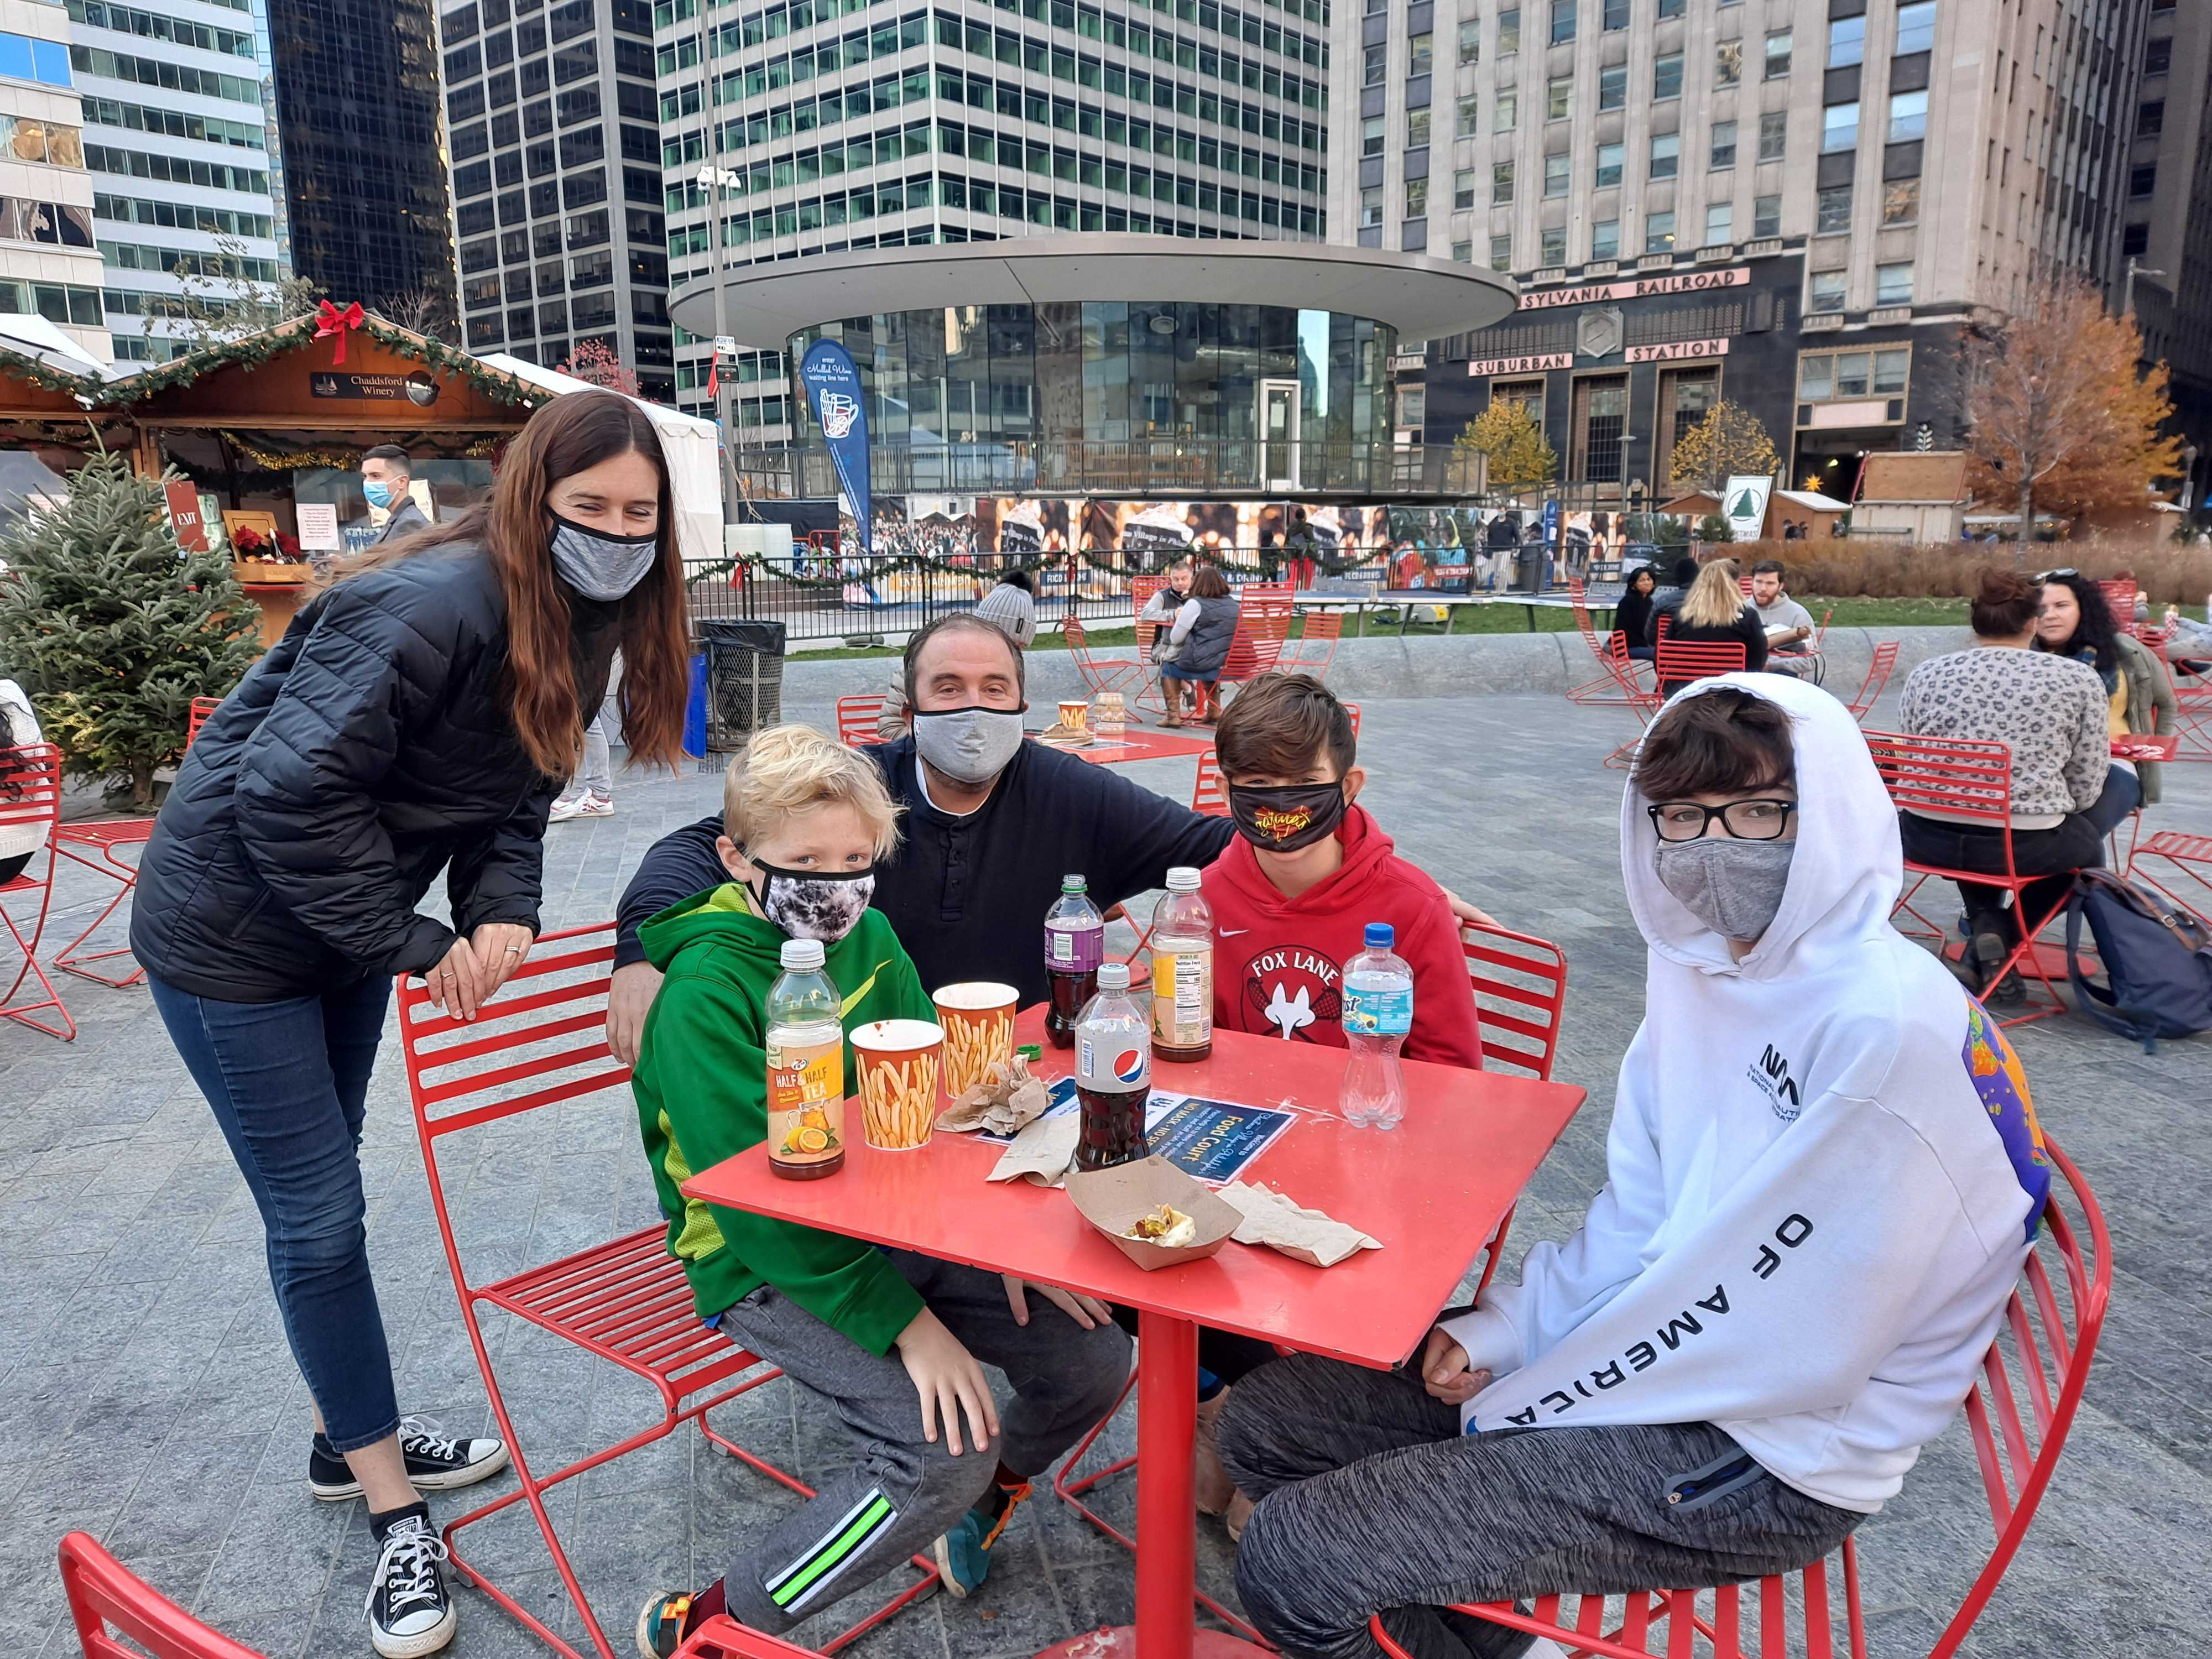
x: 1378, y: 1014
x: 805, y: 1044
x: 1074, y: 946
x: 1113, y: 1074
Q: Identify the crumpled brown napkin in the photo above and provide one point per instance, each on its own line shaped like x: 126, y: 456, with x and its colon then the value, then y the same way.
x: 1042, y: 1152
x: 1308, y: 1236
x: 1003, y: 1103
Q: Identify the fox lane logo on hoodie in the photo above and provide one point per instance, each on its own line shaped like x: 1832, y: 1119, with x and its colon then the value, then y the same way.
x: 1771, y: 1075
x: 1294, y: 989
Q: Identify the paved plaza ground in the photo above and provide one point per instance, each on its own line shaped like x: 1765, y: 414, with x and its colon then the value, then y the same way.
x: 147, y: 1396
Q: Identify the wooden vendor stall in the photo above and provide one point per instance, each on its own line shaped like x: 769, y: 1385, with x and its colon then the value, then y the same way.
x: 277, y: 420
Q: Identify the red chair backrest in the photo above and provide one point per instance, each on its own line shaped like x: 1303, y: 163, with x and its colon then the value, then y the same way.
x: 105, y: 1598
x: 1959, y: 778
x: 31, y: 786
x: 1698, y: 660
x: 1263, y: 624
x: 1520, y: 986
x: 859, y: 717
x: 1878, y: 673
x: 1743, y: 585
x: 201, y: 708
x: 2120, y: 598
x: 1071, y: 629
x: 1324, y: 625
x: 1353, y: 709
x: 1208, y: 795
x: 1141, y: 589
x: 539, y: 1042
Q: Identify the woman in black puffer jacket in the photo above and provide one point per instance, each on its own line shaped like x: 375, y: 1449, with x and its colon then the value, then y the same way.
x: 417, y: 716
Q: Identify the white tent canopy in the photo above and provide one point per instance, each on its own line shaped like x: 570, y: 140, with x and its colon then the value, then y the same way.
x: 692, y: 446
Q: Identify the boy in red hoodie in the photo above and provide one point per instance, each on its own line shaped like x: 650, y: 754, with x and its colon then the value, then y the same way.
x: 1292, y: 895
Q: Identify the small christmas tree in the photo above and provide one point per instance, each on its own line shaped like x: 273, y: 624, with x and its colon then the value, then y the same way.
x: 114, y: 631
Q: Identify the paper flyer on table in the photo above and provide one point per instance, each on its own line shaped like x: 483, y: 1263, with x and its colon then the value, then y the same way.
x: 1213, y: 1140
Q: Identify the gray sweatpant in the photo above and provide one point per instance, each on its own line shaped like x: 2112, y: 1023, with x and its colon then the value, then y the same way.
x: 903, y: 1492
x: 1371, y: 1500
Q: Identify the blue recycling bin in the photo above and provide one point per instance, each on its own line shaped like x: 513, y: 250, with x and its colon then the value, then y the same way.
x: 694, y: 710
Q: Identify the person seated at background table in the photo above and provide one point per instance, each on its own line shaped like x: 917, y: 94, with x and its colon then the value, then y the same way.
x: 1009, y: 607
x: 1788, y: 623
x: 2184, y: 636
x: 1631, y: 618
x: 1714, y: 612
x: 2073, y: 619
x: 2067, y: 794
x: 1668, y: 599
x: 888, y: 1339
x: 1822, y: 1176
x: 1197, y: 648
x: 1166, y: 601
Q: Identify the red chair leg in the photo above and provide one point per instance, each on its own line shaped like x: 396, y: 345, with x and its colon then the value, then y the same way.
x: 22, y: 1012
x: 70, y: 960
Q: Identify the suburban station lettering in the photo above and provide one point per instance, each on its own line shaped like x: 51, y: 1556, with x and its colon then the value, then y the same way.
x: 1678, y: 351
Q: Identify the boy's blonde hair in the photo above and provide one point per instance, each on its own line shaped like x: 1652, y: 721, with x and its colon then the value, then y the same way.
x: 788, y: 769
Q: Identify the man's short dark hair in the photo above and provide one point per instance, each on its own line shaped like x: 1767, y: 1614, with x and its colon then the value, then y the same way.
x: 392, y: 455
x: 1278, y: 724
x: 1686, y: 572
x: 962, y: 622
x: 1770, y: 568
x: 1722, y: 742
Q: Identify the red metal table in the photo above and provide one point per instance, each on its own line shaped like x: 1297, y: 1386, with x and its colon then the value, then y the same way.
x: 2146, y: 747
x: 1432, y: 1191
x: 1139, y: 743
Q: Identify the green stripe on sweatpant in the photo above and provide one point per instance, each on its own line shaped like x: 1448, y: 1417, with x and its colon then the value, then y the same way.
x: 833, y: 1553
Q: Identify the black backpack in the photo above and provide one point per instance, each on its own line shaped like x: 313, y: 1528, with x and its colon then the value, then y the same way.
x: 2157, y: 959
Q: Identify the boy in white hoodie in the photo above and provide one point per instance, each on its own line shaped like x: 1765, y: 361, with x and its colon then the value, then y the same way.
x: 1822, y: 1176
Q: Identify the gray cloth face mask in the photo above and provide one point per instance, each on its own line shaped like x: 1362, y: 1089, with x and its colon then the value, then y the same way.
x: 599, y: 566
x: 1733, y: 887
x: 969, y: 745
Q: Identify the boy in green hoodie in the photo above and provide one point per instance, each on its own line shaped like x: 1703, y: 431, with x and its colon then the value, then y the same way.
x: 888, y: 1338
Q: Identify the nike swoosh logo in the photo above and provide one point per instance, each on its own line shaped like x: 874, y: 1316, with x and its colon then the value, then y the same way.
x: 1231, y: 933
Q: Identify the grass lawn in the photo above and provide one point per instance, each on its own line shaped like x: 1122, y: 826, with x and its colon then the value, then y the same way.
x: 1504, y: 619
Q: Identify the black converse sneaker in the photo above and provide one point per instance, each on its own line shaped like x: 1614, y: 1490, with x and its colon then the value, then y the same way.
x: 410, y: 1611
x: 436, y: 1462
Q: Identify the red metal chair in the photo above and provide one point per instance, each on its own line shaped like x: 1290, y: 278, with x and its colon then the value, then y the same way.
x: 118, y: 1615
x: 31, y: 796
x: 2182, y: 860
x: 98, y: 845
x: 2120, y: 599
x: 1322, y: 632
x: 539, y: 1043
x: 860, y: 719
x: 2192, y: 697
x: 1606, y: 687
x: 1966, y: 781
x: 2041, y: 1355
x: 1264, y: 611
x: 1099, y: 673
x: 1141, y: 591
x: 1680, y: 661
x: 1520, y: 987
x: 1878, y: 673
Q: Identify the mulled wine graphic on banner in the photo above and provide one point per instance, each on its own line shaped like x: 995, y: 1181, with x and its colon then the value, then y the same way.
x: 832, y: 380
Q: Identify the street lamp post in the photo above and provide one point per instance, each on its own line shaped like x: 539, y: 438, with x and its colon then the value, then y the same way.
x: 2128, y: 285
x: 716, y: 179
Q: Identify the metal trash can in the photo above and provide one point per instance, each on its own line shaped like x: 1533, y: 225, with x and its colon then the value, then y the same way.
x: 745, y: 679
x: 1528, y: 570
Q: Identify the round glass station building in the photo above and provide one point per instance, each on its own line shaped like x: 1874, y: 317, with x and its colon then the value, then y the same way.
x: 1138, y: 366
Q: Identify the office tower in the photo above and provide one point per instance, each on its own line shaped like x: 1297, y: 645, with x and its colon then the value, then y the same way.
x: 551, y: 114
x: 176, y: 141
x: 357, y: 113
x: 1790, y: 204
x: 836, y: 124
x: 49, y: 262
x: 2167, y: 228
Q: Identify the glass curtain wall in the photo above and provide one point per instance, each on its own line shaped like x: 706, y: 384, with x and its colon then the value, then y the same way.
x: 1075, y: 393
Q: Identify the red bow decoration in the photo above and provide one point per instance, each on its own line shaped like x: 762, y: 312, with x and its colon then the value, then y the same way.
x: 331, y: 321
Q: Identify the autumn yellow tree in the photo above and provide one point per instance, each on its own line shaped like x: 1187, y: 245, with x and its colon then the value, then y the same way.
x: 2060, y: 417
x: 1507, y: 436
x: 1728, y: 441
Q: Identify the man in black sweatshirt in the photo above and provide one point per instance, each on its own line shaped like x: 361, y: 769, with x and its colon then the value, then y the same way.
x: 991, y: 824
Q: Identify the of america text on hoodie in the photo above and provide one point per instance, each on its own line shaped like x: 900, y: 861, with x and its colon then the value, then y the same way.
x: 1277, y: 960
x: 1823, y: 1171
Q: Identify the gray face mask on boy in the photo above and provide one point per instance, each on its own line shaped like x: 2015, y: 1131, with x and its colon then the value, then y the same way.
x: 1733, y: 887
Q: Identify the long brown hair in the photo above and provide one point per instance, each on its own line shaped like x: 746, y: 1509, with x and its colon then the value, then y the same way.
x: 563, y: 438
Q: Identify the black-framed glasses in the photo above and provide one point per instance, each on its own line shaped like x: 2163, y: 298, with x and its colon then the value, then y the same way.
x: 1746, y: 820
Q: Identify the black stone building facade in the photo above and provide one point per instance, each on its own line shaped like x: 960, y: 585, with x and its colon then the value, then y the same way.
x: 364, y: 169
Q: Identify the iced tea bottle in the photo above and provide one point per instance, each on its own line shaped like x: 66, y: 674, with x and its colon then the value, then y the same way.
x: 805, y: 1046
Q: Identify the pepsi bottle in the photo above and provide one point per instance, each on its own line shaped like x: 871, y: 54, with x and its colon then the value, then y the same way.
x: 1113, y: 1074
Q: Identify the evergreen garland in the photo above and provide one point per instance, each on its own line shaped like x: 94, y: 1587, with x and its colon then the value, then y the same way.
x: 114, y: 631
